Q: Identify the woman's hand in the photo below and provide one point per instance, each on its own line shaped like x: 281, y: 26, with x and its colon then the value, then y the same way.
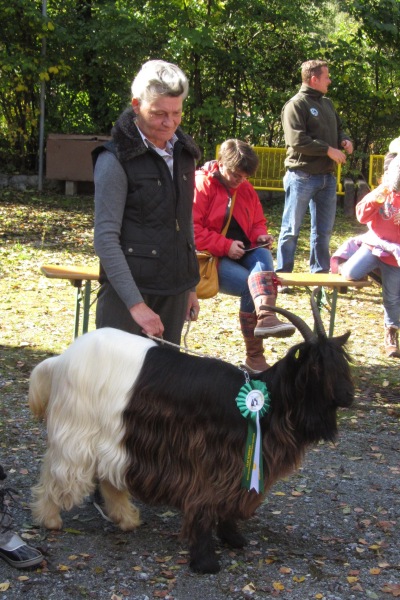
x: 236, y: 250
x: 267, y: 239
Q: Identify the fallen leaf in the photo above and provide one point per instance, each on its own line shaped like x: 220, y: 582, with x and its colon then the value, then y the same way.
x: 278, y: 586
x: 250, y: 587
x: 285, y: 570
x: 392, y: 588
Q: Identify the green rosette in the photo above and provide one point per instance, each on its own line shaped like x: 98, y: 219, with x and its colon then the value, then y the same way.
x: 253, y: 402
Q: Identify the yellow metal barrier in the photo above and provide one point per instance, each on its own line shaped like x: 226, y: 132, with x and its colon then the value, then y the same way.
x: 375, y: 170
x: 271, y: 169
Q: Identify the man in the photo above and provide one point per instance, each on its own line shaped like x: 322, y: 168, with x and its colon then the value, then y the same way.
x: 314, y: 138
x: 143, y: 233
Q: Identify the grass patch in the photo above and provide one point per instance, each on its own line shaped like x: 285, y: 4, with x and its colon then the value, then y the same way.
x: 37, y: 314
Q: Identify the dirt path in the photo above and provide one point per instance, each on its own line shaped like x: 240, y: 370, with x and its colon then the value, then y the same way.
x: 328, y: 532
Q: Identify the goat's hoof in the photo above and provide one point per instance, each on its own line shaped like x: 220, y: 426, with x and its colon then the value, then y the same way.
x: 54, y: 522
x: 205, y: 565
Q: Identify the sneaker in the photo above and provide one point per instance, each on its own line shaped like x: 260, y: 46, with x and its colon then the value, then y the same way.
x: 15, y: 551
x: 19, y: 555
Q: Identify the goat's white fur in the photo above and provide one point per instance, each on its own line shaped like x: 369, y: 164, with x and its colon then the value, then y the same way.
x: 84, y: 424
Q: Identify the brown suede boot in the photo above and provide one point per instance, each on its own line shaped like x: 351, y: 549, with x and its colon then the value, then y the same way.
x: 255, y: 361
x: 391, y: 342
x: 263, y: 288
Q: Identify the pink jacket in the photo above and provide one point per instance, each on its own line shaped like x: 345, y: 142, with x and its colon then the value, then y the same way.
x: 382, y: 218
x: 209, y: 209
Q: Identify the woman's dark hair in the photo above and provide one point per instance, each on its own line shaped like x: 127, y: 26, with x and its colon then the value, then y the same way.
x: 236, y: 155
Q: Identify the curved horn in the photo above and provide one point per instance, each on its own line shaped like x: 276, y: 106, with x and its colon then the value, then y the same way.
x: 301, y: 325
x: 319, y: 325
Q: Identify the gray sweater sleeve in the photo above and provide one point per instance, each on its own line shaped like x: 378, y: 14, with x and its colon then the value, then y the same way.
x: 111, y: 188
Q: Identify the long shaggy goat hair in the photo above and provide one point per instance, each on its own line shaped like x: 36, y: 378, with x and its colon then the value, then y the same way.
x: 162, y: 426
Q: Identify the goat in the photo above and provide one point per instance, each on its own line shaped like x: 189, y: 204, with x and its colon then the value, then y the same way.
x: 163, y: 426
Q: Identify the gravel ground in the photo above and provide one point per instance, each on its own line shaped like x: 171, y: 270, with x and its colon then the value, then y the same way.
x: 330, y: 531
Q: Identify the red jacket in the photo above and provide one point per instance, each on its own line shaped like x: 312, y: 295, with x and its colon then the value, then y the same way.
x: 209, y: 209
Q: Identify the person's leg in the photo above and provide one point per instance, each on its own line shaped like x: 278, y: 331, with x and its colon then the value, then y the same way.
x: 359, y: 264
x: 298, y: 192
x: 391, y: 305
x: 172, y: 312
x: 233, y: 280
x: 323, y: 213
x: 112, y: 312
x: 12, y: 548
x: 391, y: 294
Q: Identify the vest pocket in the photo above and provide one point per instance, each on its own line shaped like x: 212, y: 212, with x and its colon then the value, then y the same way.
x: 142, y: 260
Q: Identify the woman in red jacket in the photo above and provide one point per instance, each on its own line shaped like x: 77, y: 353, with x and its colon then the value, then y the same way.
x: 245, y: 266
x: 380, y: 248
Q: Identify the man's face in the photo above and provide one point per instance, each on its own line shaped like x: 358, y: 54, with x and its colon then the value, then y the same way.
x: 159, y: 118
x: 322, y: 82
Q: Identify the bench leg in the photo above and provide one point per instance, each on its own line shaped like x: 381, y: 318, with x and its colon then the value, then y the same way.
x: 86, y: 307
x: 78, y: 300
x: 333, y: 311
x: 330, y: 303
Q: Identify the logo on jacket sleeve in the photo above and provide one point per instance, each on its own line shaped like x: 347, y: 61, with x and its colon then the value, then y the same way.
x: 314, y: 112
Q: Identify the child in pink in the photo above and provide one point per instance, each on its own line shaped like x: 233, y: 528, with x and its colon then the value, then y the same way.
x: 380, y: 246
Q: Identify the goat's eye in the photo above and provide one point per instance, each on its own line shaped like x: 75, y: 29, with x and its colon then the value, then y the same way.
x: 297, y: 354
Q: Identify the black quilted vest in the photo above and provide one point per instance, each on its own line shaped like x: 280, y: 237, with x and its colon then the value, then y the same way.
x: 156, y: 233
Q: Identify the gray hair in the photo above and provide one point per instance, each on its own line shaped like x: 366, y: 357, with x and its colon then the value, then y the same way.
x: 159, y: 78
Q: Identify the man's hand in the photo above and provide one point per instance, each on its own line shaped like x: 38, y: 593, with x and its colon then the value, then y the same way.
x: 147, y: 319
x: 193, y: 308
x: 347, y: 145
x: 337, y: 155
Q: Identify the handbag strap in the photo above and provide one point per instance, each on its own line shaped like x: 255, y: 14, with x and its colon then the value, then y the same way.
x: 229, y: 206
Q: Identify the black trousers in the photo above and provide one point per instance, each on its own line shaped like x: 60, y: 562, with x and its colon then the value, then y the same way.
x: 112, y: 312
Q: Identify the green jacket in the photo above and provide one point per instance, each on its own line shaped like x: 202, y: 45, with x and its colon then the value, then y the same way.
x: 311, y: 124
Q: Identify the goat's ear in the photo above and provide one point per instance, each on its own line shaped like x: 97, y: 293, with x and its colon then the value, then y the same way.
x: 342, y: 339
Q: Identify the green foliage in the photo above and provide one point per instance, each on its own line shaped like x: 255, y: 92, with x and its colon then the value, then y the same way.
x: 242, y: 60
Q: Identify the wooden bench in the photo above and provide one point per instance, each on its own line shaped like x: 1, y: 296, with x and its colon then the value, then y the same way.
x: 76, y: 275
x: 336, y: 283
x: 81, y: 278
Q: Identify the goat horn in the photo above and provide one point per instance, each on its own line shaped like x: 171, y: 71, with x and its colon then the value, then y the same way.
x: 297, y: 321
x: 319, y: 325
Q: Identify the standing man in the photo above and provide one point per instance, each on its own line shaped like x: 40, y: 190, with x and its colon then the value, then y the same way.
x: 143, y: 233
x: 314, y: 138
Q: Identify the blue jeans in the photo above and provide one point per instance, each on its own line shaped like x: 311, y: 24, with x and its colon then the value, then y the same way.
x: 302, y: 191
x: 363, y: 262
x: 233, y: 274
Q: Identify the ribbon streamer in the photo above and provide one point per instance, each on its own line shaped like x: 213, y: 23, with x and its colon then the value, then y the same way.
x: 253, y: 402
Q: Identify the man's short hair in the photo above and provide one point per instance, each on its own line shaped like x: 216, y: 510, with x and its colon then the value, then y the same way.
x: 236, y: 155
x: 310, y: 68
x: 159, y: 78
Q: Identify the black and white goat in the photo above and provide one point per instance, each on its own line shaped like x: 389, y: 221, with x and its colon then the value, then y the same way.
x: 164, y: 427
